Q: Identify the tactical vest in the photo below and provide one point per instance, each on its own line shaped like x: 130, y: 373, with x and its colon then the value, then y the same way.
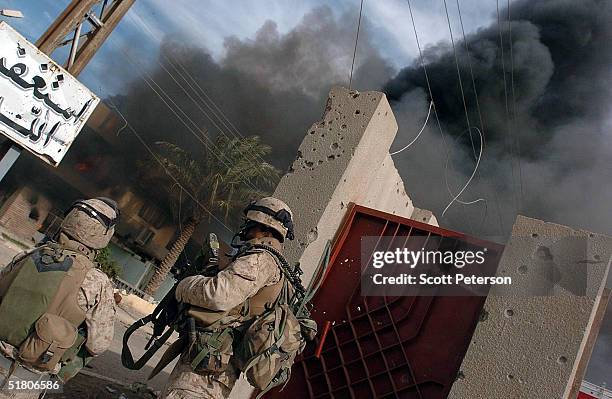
x: 254, y: 306
x: 212, y: 340
x: 39, y: 310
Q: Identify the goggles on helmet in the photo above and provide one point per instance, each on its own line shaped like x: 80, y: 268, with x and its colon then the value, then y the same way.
x: 94, y: 213
x: 282, y: 216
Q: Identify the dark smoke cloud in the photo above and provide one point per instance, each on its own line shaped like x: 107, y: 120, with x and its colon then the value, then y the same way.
x: 562, y: 69
x: 274, y: 85
x: 560, y: 135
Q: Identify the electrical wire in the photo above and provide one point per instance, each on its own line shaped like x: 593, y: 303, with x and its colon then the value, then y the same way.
x: 509, y: 132
x: 146, y: 78
x: 419, y: 134
x: 471, y: 177
x: 516, y: 136
x: 482, y: 128
x: 236, y: 134
x: 467, y: 117
x: 427, y: 81
x: 356, y: 41
x: 161, y: 164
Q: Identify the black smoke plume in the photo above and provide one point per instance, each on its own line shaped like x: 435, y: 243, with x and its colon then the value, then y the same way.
x: 547, y: 150
x: 546, y: 129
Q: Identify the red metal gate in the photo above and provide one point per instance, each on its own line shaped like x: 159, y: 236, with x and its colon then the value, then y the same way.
x: 384, y: 347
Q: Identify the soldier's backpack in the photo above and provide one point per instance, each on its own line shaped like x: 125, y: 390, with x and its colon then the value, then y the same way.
x: 39, y: 313
x: 269, y: 345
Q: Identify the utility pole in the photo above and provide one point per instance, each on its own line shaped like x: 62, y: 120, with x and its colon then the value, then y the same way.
x: 84, y: 25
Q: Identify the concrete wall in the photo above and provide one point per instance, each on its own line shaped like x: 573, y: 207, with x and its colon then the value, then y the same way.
x: 343, y: 158
x: 536, y: 347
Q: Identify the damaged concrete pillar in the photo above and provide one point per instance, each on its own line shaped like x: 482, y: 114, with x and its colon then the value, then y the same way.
x: 528, y: 346
x: 343, y: 158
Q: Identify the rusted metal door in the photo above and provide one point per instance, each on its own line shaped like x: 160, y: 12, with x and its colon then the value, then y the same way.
x: 384, y: 347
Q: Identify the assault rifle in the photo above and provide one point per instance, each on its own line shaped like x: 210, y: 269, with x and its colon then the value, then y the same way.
x: 168, y: 314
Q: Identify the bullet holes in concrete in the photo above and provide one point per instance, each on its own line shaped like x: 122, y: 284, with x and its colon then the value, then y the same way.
x: 312, y: 235
x: 357, y: 112
x: 334, y: 146
x: 534, y: 235
x: 509, y: 313
x: 562, y: 360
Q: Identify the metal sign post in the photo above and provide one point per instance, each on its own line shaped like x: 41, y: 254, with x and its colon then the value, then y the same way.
x: 71, y: 22
x: 9, y: 153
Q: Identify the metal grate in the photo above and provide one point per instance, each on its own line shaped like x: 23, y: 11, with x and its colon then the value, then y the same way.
x: 385, y: 347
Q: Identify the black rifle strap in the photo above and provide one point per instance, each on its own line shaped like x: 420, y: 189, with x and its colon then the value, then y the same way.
x: 126, y: 355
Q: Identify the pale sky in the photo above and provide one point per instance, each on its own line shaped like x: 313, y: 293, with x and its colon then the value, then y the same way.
x: 208, y: 23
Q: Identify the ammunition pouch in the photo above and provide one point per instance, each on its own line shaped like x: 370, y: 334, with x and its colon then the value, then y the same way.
x: 212, y: 350
x: 46, y: 345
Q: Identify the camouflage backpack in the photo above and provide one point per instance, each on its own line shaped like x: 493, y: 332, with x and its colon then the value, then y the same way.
x: 269, y: 345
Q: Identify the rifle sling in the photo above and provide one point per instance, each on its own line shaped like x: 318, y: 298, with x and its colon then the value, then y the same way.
x: 126, y: 355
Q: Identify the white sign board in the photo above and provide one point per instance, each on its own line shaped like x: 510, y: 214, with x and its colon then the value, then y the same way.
x: 42, y: 107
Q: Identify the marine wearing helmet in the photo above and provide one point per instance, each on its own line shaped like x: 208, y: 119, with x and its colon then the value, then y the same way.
x: 224, y: 302
x: 56, y: 308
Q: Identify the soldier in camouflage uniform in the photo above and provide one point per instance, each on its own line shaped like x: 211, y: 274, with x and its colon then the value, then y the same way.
x: 252, y: 277
x: 62, y: 299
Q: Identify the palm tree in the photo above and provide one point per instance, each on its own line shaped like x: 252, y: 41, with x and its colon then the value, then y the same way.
x: 220, y: 182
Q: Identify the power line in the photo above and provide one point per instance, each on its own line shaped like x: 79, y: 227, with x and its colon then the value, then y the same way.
x: 509, y: 133
x: 516, y: 136
x: 469, y: 129
x: 430, y: 91
x: 356, y: 41
x: 146, y: 78
x: 467, y: 117
x: 471, y: 177
x: 418, y: 135
x: 152, y: 153
x: 148, y: 30
x: 482, y: 128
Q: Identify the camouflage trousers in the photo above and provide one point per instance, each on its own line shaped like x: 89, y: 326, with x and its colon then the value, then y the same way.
x: 184, y: 383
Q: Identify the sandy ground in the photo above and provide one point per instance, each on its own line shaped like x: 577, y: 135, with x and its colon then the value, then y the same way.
x: 107, y: 378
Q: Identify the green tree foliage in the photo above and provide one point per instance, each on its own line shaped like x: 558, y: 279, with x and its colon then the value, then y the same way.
x: 107, y: 264
x: 220, y: 182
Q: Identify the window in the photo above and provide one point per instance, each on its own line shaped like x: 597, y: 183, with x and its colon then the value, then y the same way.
x: 144, y: 236
x: 152, y: 215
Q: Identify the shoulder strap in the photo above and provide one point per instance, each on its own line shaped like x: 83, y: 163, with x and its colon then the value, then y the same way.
x: 292, y: 274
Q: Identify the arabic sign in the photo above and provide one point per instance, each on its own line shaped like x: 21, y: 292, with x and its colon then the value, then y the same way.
x: 42, y: 107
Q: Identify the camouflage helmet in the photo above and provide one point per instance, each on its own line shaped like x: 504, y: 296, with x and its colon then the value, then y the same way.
x: 91, y: 222
x: 273, y: 213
